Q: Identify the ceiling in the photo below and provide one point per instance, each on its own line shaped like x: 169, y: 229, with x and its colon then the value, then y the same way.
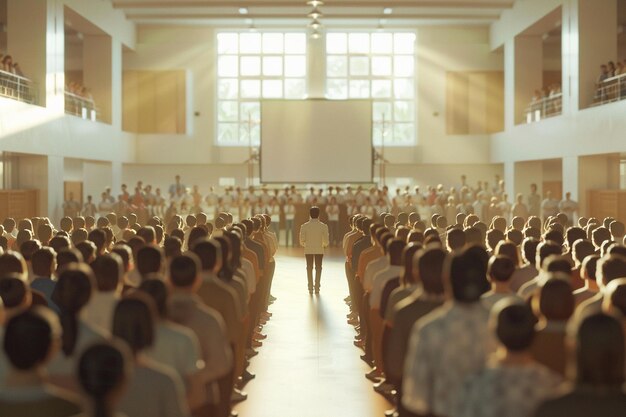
x: 292, y: 13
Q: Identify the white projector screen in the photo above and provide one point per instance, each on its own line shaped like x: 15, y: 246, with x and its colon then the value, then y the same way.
x: 316, y: 141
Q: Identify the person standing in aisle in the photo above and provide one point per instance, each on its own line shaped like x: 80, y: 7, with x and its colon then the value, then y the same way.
x: 314, y: 238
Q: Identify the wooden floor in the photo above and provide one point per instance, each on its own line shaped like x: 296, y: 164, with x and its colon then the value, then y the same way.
x: 308, y: 365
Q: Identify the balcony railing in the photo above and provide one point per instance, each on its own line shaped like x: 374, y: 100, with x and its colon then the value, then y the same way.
x: 80, y: 106
x: 610, y: 90
x: 17, y: 87
x: 544, y: 108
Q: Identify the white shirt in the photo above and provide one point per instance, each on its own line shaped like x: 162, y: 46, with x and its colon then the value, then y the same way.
x: 290, y: 212
x: 380, y: 280
x: 314, y: 237
x: 333, y: 212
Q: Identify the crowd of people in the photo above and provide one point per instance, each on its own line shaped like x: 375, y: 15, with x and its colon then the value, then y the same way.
x: 547, y: 101
x: 7, y: 65
x: 105, y: 318
x: 460, y: 317
x: 484, y: 200
x: 607, y: 87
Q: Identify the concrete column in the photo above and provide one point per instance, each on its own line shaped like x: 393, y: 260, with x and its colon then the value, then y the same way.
x: 597, y: 44
x: 528, y: 74
x: 316, y: 74
x: 56, y: 172
x: 509, y: 84
x: 98, y: 72
x: 35, y: 39
x: 116, y: 85
x: 570, y: 177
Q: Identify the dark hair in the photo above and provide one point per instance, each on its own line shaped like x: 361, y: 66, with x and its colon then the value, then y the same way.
x: 430, y: 266
x: 72, y: 292
x: 184, y: 270
x: 195, y: 234
x: 611, y: 267
x: 508, y: 249
x: 28, y: 336
x: 407, y: 260
x: 467, y: 277
x: 515, y: 324
x: 13, y: 290
x: 149, y: 260
x: 600, y: 351
x: 134, y: 321
x: 494, y: 236
x: 43, y: 262
x: 172, y: 247
x: 226, y: 271
x: 156, y: 290
x: 456, y: 239
x: 314, y: 212
x: 12, y: 262
x: 99, y: 238
x: 102, y: 368
x: 178, y: 233
x: 515, y: 236
x: 123, y: 251
x: 67, y: 256
x: 108, y: 271
x: 556, y: 301
x: 87, y: 249
x: 501, y: 268
x: 79, y: 235
x: 147, y: 233
x: 209, y: 251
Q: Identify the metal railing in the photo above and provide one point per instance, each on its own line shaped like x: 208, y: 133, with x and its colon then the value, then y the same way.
x: 610, y: 90
x: 544, y: 108
x: 17, y: 87
x: 80, y: 106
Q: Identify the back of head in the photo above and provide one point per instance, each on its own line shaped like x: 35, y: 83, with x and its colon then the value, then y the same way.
x: 600, y: 235
x: 29, y: 247
x: 184, y: 270
x: 44, y: 232
x: 573, y: 234
x: 195, y: 234
x: 514, y: 324
x: 494, y: 236
x: 72, y: 292
x: 124, y: 252
x: 473, y: 236
x: 430, y: 265
x: 545, y: 249
x: 79, y: 235
x: 13, y: 291
x: 515, y: 236
x: 172, y: 247
x: 554, y: 236
x: 98, y: 237
x: 29, y: 336
x: 394, y: 250
x: 611, y: 267
x: 556, y: 301
x: 581, y: 249
x: 558, y: 264
x: 466, y: 277
x: 617, y: 229
x: 12, y: 262
x: 510, y: 250
x: 455, y: 239
x: 314, y: 212
x: 209, y: 251
x: 600, y: 349
x: 147, y: 233
x: 108, y: 271
x: 134, y: 321
x: 43, y: 262
x: 149, y: 260
x: 501, y: 268
x: 103, y: 368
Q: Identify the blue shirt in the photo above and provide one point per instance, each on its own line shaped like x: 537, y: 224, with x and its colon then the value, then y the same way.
x: 46, y: 286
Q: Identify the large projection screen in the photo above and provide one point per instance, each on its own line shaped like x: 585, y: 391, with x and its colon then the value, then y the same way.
x: 316, y: 141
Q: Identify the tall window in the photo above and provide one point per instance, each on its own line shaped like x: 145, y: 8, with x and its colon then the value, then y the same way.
x: 381, y: 67
x: 251, y: 67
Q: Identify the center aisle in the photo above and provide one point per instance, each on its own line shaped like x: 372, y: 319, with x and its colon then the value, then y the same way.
x: 308, y: 365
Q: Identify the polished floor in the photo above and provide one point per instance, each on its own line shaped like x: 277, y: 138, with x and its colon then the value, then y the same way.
x: 308, y: 366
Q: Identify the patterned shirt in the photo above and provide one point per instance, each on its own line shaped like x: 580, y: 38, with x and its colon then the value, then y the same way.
x: 506, y: 390
x: 445, y: 347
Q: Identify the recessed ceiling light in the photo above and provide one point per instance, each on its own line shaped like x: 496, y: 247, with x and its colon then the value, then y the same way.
x: 243, y: 10
x: 248, y: 21
x: 315, y: 35
x: 387, y: 10
x: 315, y: 3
